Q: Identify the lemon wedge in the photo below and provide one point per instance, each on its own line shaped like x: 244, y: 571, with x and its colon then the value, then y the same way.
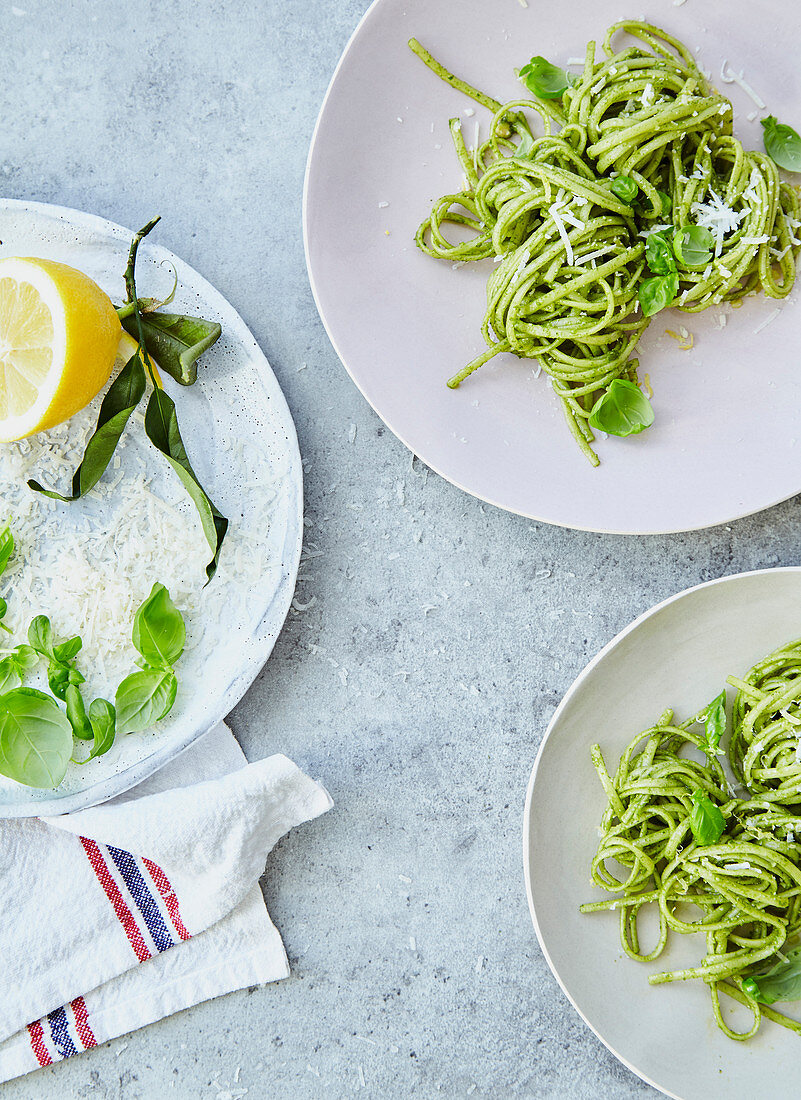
x: 59, y: 337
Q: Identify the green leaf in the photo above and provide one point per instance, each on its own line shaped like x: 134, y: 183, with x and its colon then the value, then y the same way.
x: 40, y: 636
x: 625, y: 188
x: 161, y: 426
x: 65, y: 651
x: 6, y: 547
x: 9, y: 675
x: 76, y: 714
x: 781, y: 983
x: 35, y: 738
x: 175, y: 341
x: 782, y: 144
x: 25, y: 658
x: 524, y: 150
x: 622, y: 410
x: 122, y: 397
x: 667, y: 203
x: 15, y: 665
x: 158, y: 631
x: 694, y: 245
x: 543, y: 79
x: 3, y: 611
x: 144, y: 698
x: 706, y: 821
x: 714, y: 724
x: 659, y: 254
x: 103, y: 718
x: 657, y: 293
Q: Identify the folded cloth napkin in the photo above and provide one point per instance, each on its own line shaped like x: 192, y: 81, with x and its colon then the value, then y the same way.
x: 114, y: 917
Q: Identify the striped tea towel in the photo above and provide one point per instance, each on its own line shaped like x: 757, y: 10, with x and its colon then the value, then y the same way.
x: 94, y: 904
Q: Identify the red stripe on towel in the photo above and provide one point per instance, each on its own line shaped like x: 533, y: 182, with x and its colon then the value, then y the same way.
x: 85, y: 1033
x: 167, y: 893
x: 37, y: 1042
x: 112, y: 892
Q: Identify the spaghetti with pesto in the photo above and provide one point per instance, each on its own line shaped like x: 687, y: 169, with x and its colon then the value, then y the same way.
x: 638, y: 144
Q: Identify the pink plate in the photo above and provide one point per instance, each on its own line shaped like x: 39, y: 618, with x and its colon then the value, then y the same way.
x: 725, y: 440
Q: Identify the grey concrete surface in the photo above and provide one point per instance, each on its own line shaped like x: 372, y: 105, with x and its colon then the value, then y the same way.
x: 441, y: 635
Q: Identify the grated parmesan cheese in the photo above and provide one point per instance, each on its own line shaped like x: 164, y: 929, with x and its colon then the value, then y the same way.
x: 737, y: 78
x: 90, y: 564
x: 768, y: 320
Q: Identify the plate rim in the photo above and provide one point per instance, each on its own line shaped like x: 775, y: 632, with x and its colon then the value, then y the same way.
x: 452, y: 479
x: 276, y: 614
x: 529, y: 796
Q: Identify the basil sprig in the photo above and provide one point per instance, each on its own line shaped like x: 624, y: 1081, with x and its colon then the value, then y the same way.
x: 159, y: 634
x: 658, y: 292
x: 37, y: 735
x: 714, y: 725
x: 782, y: 144
x: 622, y: 410
x: 706, y: 821
x: 543, y: 79
x: 781, y: 983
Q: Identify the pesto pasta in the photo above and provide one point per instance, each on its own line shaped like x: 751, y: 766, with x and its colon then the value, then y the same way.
x: 638, y: 145
x: 675, y: 837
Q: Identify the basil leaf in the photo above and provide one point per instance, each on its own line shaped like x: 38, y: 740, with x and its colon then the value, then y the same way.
x: 524, y: 149
x: 35, y: 738
x: 659, y: 254
x: 122, y: 397
x: 781, y: 983
x: 667, y: 202
x: 543, y: 79
x: 706, y: 821
x: 161, y: 426
x: 3, y: 610
x: 622, y: 410
x: 143, y: 698
x: 782, y: 144
x: 103, y: 718
x: 6, y: 547
x: 76, y: 714
x: 65, y: 651
x: 625, y: 188
x: 175, y: 341
x: 657, y: 293
x: 9, y: 675
x: 25, y: 658
x: 60, y: 677
x: 694, y: 245
x: 158, y: 631
x: 714, y: 724
x: 40, y: 636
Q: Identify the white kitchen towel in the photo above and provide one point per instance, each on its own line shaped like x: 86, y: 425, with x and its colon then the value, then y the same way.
x: 114, y: 917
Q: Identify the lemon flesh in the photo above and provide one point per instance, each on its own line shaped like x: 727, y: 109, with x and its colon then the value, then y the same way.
x: 58, y: 343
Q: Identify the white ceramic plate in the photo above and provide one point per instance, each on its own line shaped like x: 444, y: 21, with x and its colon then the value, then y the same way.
x: 676, y: 655
x: 725, y: 441
x: 236, y: 406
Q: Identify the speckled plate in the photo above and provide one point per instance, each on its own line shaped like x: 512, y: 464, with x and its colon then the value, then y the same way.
x: 725, y: 440
x: 676, y: 655
x: 236, y: 404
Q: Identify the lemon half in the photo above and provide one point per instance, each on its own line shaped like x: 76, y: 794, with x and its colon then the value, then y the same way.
x: 58, y: 344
